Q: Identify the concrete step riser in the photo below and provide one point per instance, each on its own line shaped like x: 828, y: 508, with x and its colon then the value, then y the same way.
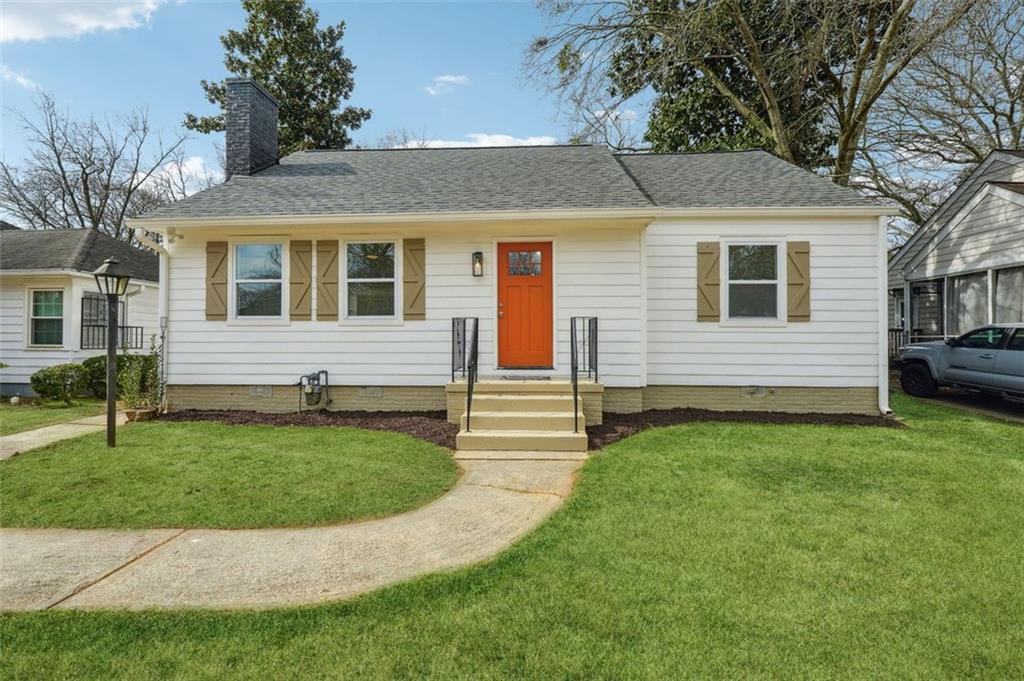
x: 518, y: 403
x: 523, y: 421
x: 505, y: 441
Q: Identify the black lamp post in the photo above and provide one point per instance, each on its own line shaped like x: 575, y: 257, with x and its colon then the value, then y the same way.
x: 112, y: 281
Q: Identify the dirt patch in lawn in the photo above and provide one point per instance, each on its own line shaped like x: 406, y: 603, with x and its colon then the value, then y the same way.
x: 431, y: 426
x: 619, y: 426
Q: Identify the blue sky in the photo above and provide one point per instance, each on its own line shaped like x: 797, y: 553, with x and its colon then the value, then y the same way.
x: 449, y: 71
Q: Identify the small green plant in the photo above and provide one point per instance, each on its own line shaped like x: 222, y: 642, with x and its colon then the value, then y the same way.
x: 60, y: 382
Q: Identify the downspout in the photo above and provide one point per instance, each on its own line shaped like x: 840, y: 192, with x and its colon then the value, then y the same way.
x: 163, y: 307
x: 883, y: 316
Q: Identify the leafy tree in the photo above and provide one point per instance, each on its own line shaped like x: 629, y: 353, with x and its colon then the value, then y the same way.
x: 302, y: 65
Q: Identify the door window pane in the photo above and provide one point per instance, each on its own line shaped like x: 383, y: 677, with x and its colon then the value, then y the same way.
x: 1009, y: 295
x: 1017, y: 342
x: 524, y: 263
x: 753, y: 300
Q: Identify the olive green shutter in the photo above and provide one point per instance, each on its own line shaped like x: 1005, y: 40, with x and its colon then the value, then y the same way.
x: 327, y: 280
x: 709, y: 288
x: 217, y: 280
x: 300, y: 279
x: 414, y: 279
x: 798, y: 281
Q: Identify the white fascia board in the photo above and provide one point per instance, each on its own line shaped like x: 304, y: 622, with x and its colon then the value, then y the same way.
x: 653, y: 213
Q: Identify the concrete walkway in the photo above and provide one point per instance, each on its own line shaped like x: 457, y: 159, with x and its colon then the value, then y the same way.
x: 496, y: 501
x: 40, y: 437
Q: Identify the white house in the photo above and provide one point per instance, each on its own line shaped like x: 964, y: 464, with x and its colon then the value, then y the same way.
x: 723, y: 281
x: 50, y: 309
x: 964, y: 268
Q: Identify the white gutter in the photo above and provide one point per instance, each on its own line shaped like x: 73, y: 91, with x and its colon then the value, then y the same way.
x: 502, y: 215
x: 883, y: 317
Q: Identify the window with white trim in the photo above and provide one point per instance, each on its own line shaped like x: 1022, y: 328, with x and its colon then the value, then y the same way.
x: 370, y: 279
x: 752, y: 281
x: 259, y: 280
x: 46, y: 318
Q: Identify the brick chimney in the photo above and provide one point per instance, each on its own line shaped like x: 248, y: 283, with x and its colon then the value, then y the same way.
x: 250, y: 126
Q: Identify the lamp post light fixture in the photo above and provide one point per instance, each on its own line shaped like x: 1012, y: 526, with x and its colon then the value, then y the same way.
x: 112, y: 280
x: 478, y: 264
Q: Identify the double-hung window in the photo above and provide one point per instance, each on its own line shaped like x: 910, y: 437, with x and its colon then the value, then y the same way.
x: 259, y: 280
x: 370, y: 279
x: 752, y: 281
x: 46, y: 319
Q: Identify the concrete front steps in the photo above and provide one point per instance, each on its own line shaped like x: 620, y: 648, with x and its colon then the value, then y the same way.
x: 533, y: 416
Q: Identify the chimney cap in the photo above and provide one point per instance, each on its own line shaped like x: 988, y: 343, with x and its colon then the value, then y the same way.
x: 235, y: 81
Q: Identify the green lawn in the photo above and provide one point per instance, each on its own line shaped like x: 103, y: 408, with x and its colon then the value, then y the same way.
x: 191, y: 474
x: 700, y: 551
x: 29, y: 416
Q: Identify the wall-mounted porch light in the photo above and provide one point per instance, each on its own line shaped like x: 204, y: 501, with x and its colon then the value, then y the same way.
x: 478, y: 264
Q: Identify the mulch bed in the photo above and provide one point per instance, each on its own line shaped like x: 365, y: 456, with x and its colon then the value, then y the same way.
x: 619, y: 426
x: 431, y: 426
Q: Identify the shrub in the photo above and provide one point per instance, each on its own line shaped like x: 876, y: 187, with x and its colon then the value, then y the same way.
x: 96, y: 368
x: 96, y: 375
x: 60, y: 382
x: 137, y: 380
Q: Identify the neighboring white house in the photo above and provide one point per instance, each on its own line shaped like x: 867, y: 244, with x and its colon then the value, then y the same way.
x: 723, y: 281
x: 50, y: 309
x: 964, y: 268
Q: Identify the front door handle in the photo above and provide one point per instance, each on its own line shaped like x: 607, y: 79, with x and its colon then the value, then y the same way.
x: 986, y: 356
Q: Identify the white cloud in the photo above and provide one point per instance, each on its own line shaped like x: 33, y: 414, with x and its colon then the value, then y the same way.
x: 185, y: 176
x: 444, y: 83
x: 17, y: 78
x: 478, y: 139
x: 35, y: 20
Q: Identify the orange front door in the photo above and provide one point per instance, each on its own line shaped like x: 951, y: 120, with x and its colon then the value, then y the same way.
x: 524, y: 305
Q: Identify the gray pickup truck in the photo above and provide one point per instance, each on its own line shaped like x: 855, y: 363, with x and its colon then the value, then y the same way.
x: 988, y: 360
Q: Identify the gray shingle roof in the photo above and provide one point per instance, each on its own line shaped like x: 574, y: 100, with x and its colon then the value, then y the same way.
x: 375, y: 181
x: 739, y: 179
x: 81, y: 250
x: 421, y: 180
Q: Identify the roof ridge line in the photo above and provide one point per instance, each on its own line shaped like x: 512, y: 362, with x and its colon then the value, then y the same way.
x: 635, y: 181
x: 465, y: 148
x: 82, y: 249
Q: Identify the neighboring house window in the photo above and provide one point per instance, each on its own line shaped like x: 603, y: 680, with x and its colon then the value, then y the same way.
x: 967, y: 306
x: 370, y: 279
x: 46, y: 323
x: 258, y: 280
x: 752, y: 281
x: 1009, y: 296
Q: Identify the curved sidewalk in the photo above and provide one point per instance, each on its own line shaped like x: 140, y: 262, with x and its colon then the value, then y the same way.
x: 495, y: 502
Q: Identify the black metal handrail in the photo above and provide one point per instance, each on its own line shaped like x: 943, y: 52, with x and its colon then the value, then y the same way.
x: 465, y: 356
x: 582, y: 342
x: 94, y: 337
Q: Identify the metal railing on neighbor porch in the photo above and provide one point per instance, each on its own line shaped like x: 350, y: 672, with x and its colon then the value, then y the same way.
x: 898, y: 338
x: 94, y: 337
x: 465, y: 356
x: 582, y: 358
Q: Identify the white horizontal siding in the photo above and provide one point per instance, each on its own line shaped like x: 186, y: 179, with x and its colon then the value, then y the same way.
x: 597, y: 273
x: 991, y: 234
x: 837, y: 348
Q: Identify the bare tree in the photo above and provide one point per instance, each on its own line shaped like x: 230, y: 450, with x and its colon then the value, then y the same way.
x: 946, y: 112
x: 761, y: 56
x: 84, y: 174
x: 403, y: 139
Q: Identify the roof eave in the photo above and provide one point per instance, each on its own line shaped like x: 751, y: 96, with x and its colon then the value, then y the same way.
x: 650, y: 213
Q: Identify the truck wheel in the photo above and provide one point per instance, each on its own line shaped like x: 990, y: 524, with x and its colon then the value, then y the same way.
x: 917, y: 380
